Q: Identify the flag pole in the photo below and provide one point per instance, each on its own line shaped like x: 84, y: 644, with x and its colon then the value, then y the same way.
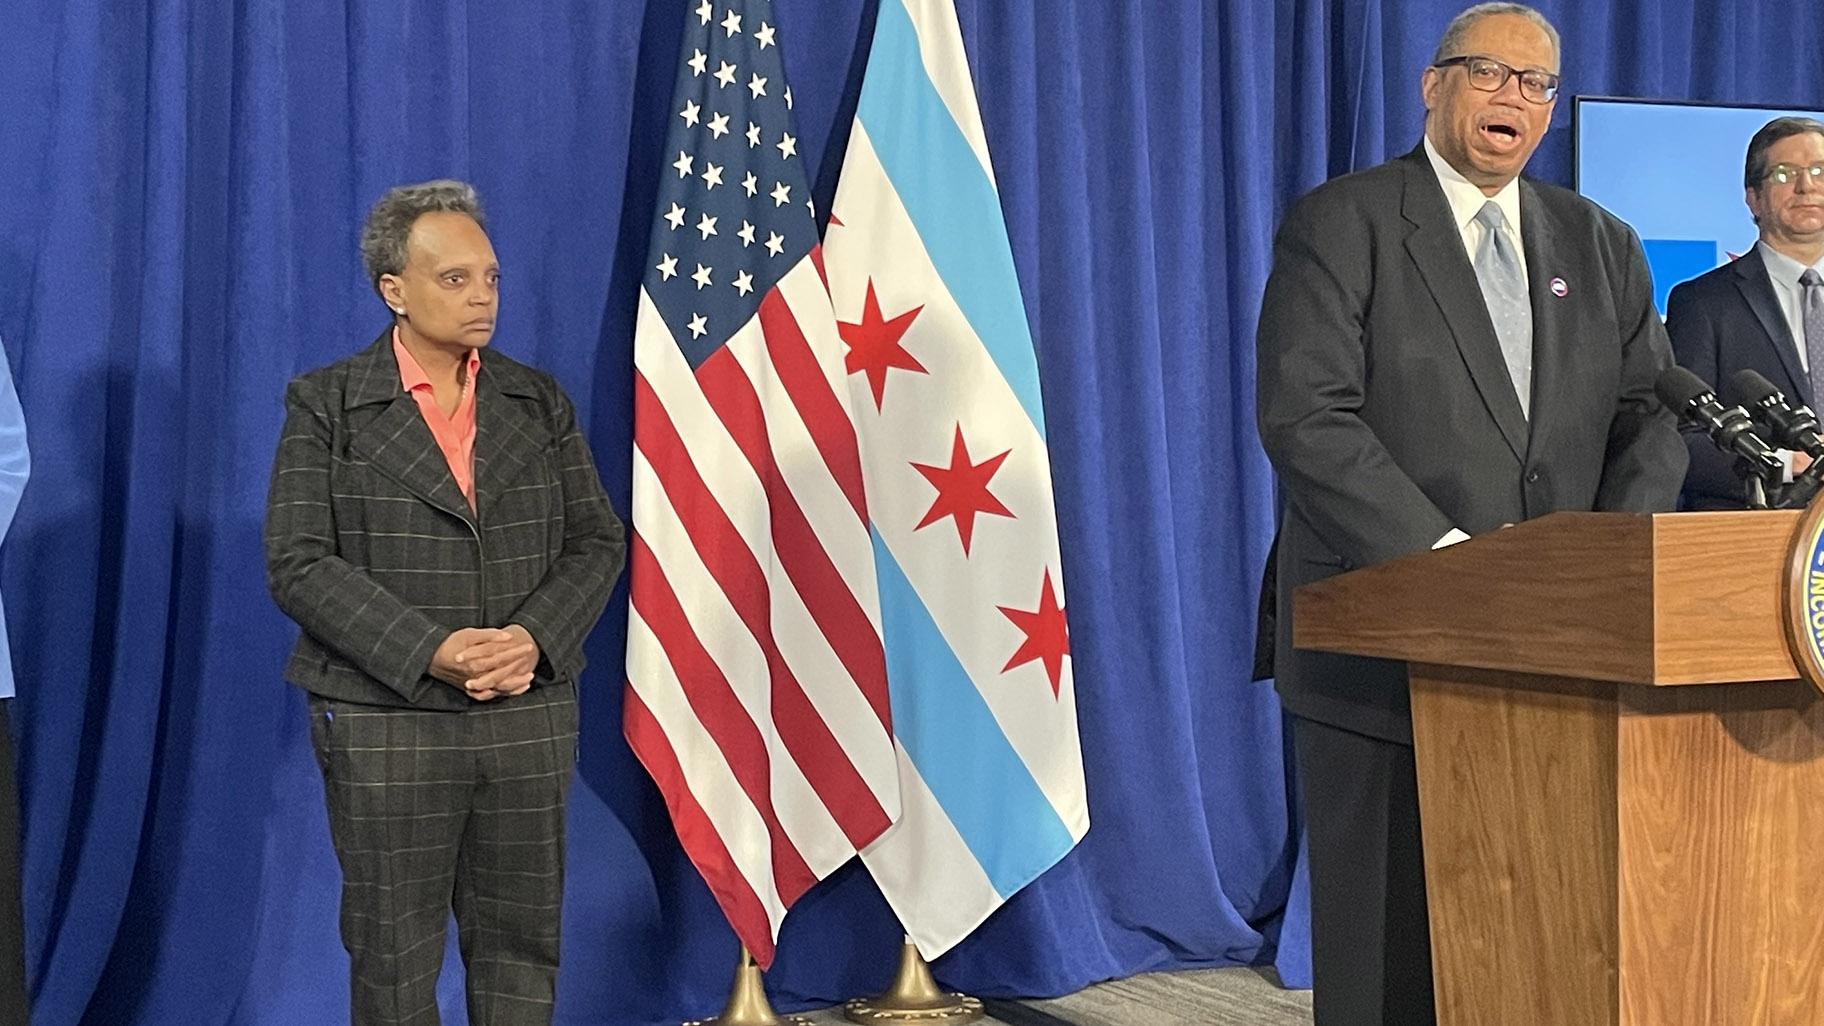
x: 747, y: 1004
x: 914, y: 997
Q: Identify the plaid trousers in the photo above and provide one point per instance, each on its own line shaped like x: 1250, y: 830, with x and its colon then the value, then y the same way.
x: 434, y: 810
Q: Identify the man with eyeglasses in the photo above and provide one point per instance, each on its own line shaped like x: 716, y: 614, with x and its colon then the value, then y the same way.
x: 1765, y: 310
x: 1444, y: 348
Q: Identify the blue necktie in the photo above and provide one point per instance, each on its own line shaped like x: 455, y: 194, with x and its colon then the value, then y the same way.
x: 1504, y: 290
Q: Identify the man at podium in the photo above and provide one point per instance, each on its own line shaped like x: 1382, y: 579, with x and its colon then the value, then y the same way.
x: 1444, y: 348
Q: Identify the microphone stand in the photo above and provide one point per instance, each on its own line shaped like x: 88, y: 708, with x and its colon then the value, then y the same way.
x: 1754, y: 484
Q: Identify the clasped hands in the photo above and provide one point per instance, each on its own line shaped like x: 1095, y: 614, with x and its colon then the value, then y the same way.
x: 486, y: 662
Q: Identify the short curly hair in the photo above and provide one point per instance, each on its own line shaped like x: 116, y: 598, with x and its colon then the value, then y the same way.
x: 389, y: 223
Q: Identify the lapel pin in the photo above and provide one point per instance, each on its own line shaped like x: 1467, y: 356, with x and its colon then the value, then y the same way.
x: 1559, y: 288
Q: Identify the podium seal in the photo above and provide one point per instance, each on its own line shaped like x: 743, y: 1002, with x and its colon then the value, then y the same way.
x: 1804, y: 596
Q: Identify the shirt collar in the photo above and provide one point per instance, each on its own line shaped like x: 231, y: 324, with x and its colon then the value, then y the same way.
x: 411, y: 372
x: 1783, y: 269
x: 1466, y: 198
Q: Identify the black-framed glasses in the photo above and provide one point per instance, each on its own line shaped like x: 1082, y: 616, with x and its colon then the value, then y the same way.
x: 1489, y: 75
x: 1786, y: 174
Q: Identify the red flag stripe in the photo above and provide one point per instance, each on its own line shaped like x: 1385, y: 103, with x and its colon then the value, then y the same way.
x: 844, y: 623
x: 811, y: 395
x: 702, y: 843
x: 717, y: 707
x: 726, y: 556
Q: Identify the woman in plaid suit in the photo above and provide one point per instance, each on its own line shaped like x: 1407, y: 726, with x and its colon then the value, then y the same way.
x: 437, y: 529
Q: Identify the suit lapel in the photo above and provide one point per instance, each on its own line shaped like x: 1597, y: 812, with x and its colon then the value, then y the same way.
x: 1752, y: 279
x: 507, y: 435
x: 396, y: 440
x: 1552, y: 338
x: 1436, y: 247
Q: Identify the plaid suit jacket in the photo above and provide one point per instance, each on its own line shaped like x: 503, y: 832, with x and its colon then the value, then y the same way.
x: 373, y: 550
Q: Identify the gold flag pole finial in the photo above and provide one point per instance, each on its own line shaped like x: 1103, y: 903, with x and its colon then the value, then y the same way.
x: 747, y: 1004
x: 914, y: 997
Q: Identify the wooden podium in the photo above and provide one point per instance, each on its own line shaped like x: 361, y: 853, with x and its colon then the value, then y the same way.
x: 1621, y: 780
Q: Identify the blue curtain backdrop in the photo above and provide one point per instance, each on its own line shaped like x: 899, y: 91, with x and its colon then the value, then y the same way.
x: 181, y: 185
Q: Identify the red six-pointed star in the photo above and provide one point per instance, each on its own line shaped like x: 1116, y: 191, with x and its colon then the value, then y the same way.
x: 962, y: 490
x: 874, y: 347
x: 1047, y: 635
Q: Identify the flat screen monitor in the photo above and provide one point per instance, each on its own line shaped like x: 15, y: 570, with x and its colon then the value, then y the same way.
x: 1674, y: 172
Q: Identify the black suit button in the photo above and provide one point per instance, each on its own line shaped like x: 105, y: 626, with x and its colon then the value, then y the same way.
x: 1532, y: 477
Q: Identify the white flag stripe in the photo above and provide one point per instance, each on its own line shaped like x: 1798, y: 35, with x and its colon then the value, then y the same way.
x: 738, y: 654
x: 724, y: 468
x: 733, y: 648
x: 804, y: 293
x: 940, y: 40
x: 714, y: 620
x: 807, y: 476
x: 736, y: 819
x: 826, y: 683
x: 917, y: 424
x: 922, y: 855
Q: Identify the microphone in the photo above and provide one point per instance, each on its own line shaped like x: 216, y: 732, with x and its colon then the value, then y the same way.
x: 1730, y: 427
x: 1793, y: 427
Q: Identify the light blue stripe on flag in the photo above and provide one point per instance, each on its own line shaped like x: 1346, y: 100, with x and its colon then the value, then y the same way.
x: 950, y: 199
x: 951, y: 736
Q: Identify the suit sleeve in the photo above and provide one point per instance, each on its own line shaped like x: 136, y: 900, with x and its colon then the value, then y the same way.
x: 1311, y: 379
x: 1696, y: 345
x: 564, y: 607
x: 334, y: 601
x: 1644, y: 465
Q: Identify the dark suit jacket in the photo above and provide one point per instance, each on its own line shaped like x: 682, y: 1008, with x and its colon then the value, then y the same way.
x: 372, y: 548
x: 1386, y: 407
x: 1721, y: 323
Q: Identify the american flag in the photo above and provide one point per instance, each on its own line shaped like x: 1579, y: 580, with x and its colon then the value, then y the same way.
x: 757, y: 688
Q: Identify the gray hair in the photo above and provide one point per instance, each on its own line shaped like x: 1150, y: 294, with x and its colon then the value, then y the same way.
x: 389, y: 223
x: 1460, y: 25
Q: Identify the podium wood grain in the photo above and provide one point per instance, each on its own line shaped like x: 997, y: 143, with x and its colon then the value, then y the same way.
x: 1621, y: 787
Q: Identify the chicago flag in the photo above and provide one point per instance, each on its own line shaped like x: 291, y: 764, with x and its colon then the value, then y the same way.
x: 944, y: 383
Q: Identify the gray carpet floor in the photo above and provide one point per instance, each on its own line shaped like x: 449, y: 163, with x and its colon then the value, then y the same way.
x: 1207, y: 997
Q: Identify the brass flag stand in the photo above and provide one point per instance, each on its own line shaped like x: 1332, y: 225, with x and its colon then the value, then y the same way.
x: 747, y: 1004
x: 914, y: 997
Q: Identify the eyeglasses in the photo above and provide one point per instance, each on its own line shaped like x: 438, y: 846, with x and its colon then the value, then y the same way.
x: 1786, y: 174
x: 1489, y: 75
